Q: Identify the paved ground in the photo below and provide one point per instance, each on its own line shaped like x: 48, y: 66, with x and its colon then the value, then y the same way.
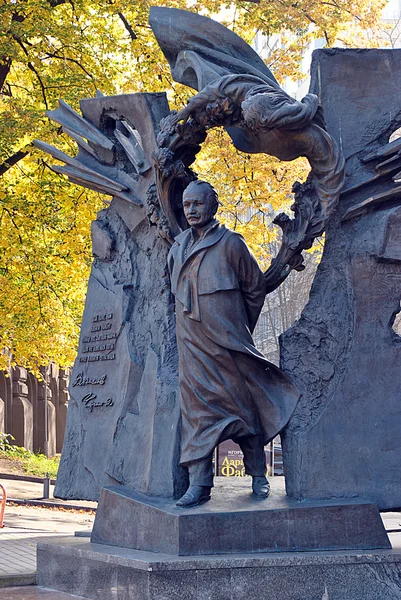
x: 25, y: 525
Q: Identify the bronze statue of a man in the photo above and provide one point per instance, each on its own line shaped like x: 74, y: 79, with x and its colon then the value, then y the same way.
x: 228, y: 388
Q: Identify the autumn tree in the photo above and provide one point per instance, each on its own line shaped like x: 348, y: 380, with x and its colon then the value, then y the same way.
x: 69, y: 49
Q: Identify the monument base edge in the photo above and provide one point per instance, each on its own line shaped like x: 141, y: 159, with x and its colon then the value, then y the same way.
x: 99, y: 572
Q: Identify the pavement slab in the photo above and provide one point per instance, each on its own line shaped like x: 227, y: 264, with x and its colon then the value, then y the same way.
x: 24, y: 527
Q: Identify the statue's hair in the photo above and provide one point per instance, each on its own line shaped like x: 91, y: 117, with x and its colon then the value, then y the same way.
x: 275, y: 109
x: 209, y: 190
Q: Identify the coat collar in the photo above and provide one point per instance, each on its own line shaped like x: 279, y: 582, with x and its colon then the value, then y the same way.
x: 177, y: 252
x: 211, y: 238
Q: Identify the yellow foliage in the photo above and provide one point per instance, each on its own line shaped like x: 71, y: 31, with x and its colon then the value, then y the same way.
x: 252, y: 189
x: 54, y: 48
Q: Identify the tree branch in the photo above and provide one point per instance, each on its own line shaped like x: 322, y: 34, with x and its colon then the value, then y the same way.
x: 54, y: 3
x: 5, y: 61
x: 42, y: 87
x: 32, y: 68
x: 127, y: 26
x: 5, y: 66
x: 73, y: 60
x: 12, y: 160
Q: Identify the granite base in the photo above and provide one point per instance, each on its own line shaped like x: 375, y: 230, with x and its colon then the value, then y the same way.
x: 234, y: 520
x: 100, y: 572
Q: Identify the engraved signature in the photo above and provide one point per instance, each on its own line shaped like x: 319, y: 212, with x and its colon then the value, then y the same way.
x: 89, y: 401
x: 82, y: 380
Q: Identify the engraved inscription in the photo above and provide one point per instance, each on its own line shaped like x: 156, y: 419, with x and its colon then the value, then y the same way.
x: 103, y: 327
x: 97, y: 357
x: 99, y: 338
x: 97, y: 346
x: 82, y: 380
x: 101, y: 322
x: 105, y: 317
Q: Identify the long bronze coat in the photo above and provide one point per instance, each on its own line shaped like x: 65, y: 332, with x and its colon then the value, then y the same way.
x: 228, y: 388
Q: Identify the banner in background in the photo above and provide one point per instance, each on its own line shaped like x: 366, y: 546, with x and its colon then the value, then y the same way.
x: 230, y: 460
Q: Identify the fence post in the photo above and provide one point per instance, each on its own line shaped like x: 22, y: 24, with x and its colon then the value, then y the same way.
x: 46, y: 486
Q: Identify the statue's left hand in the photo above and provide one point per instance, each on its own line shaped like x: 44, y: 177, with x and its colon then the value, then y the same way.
x: 181, y: 117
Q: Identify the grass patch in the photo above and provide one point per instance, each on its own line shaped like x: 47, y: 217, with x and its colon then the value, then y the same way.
x: 32, y: 464
x: 38, y: 465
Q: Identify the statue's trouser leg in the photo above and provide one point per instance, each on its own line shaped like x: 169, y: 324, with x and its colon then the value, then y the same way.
x: 254, y: 455
x: 201, y: 472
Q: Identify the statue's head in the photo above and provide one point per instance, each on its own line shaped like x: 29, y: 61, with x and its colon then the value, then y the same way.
x: 265, y: 110
x: 277, y: 110
x: 200, y: 203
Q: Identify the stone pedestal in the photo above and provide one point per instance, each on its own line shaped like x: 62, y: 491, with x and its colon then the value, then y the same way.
x: 231, y: 548
x: 107, y: 573
x: 235, y: 521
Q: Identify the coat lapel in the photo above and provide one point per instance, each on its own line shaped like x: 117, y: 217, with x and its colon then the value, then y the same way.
x: 182, y: 240
x: 209, y: 240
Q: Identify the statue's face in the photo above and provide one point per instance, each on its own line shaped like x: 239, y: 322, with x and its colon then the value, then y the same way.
x: 198, y: 207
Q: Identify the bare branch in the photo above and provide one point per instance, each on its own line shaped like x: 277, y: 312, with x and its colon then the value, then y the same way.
x: 5, y: 66
x: 5, y: 61
x: 42, y: 87
x: 73, y: 60
x: 12, y: 160
x: 33, y: 69
x: 127, y: 26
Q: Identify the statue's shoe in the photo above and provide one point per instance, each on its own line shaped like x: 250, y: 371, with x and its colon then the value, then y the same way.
x: 195, y: 494
x: 260, y: 487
